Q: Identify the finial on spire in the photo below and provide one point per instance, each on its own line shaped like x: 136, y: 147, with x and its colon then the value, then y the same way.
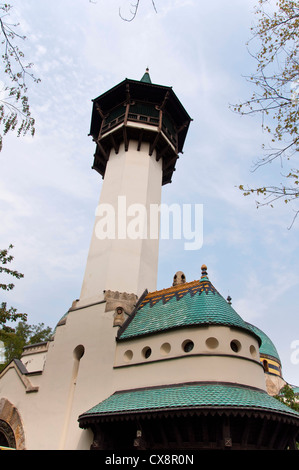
x: 146, y: 77
x: 204, y: 271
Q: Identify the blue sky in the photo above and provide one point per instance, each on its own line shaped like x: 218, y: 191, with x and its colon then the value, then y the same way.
x: 48, y: 192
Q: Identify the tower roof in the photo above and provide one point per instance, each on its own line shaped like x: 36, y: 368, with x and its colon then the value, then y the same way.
x: 144, y: 90
x: 189, y: 304
x: 146, y: 77
x: 196, y: 396
x: 142, y: 111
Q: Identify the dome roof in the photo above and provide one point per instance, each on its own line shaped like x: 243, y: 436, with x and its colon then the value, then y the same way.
x: 267, y: 347
x: 188, y: 304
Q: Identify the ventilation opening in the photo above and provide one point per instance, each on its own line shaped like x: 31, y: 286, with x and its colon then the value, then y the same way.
x: 165, y: 349
x: 253, y: 351
x: 146, y: 352
x: 188, y: 345
x: 235, y: 346
x: 212, y: 343
x: 128, y: 356
x: 79, y: 352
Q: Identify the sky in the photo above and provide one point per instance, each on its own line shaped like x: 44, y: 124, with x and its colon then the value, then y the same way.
x: 49, y: 193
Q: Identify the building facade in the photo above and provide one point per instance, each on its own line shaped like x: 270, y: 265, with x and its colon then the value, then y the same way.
x: 130, y: 367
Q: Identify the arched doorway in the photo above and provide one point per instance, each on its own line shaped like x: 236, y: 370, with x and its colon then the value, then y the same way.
x: 7, y: 437
x: 11, y: 427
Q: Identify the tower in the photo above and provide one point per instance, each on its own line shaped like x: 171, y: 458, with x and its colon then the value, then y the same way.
x: 178, y: 368
x: 139, y: 129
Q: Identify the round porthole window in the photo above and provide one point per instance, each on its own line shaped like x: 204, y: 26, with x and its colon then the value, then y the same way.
x: 212, y: 343
x: 165, y: 349
x: 188, y: 345
x: 253, y: 351
x: 235, y: 345
x: 128, y: 356
x: 146, y: 352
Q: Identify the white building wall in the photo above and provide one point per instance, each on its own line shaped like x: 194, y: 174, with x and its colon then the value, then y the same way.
x: 124, y: 264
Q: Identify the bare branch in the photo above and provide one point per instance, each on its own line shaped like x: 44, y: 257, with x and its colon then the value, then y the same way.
x: 134, y: 11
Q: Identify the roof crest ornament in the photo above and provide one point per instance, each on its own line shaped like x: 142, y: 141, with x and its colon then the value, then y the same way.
x: 204, y: 272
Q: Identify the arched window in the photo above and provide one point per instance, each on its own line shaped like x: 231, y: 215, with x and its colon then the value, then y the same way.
x: 266, y: 366
x: 11, y: 427
x: 7, y: 437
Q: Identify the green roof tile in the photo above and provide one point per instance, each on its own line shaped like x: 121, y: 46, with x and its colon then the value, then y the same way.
x: 194, y: 396
x: 190, y: 304
x: 266, y: 347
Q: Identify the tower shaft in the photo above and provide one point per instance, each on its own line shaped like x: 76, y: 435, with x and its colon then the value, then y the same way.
x: 123, y: 254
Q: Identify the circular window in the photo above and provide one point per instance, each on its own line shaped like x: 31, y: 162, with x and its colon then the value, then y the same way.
x: 188, y: 345
x: 212, y: 343
x: 253, y: 351
x: 165, y: 349
x: 128, y: 355
x: 78, y: 352
x: 235, y: 345
x: 146, y: 352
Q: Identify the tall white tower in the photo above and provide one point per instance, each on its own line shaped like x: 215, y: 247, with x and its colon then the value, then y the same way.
x: 139, y: 128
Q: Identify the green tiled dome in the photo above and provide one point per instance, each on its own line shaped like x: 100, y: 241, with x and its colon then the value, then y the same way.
x: 195, y: 396
x: 189, y: 304
x: 266, y: 347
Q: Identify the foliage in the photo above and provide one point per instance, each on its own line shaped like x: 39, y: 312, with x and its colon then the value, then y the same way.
x: 15, y: 339
x: 276, y: 97
x: 14, y: 104
x: 287, y: 396
x: 8, y: 314
x: 24, y: 335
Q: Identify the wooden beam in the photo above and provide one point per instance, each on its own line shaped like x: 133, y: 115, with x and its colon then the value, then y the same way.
x: 114, y: 144
x: 140, y: 139
x: 164, y: 100
x: 103, y: 151
x: 169, y: 163
x: 261, y: 433
x: 154, y: 144
x: 128, y: 95
x: 274, y: 435
x: 177, y: 434
x: 126, y: 138
x: 204, y: 429
x: 227, y: 440
x: 163, y: 435
x: 245, y: 434
x: 126, y: 113
x: 162, y: 153
x: 160, y: 119
x: 185, y: 124
x: 98, y: 108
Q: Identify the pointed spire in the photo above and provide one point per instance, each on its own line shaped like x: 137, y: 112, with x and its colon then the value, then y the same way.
x: 146, y: 77
x: 204, y: 273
